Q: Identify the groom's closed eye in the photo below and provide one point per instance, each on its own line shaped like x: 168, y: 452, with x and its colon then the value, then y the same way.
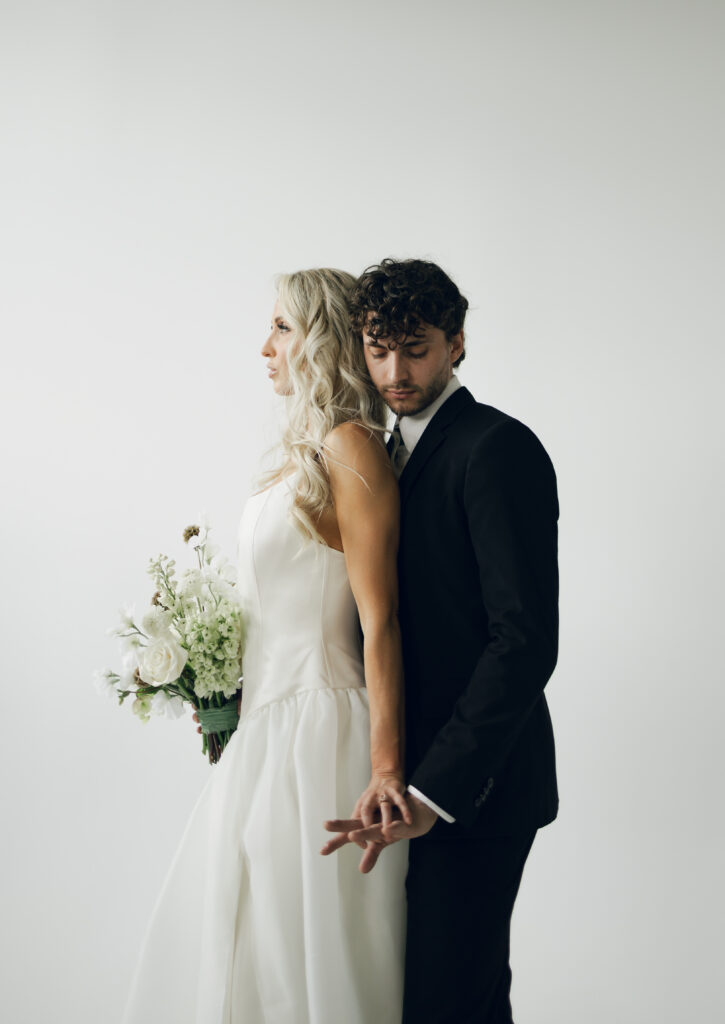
x: 378, y: 352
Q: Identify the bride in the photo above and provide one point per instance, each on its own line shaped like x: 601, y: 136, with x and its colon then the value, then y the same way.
x: 253, y: 926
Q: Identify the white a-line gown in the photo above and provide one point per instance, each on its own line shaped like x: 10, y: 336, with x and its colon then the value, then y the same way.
x: 253, y: 926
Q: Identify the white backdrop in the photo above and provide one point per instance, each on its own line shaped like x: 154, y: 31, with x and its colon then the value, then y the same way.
x: 564, y: 162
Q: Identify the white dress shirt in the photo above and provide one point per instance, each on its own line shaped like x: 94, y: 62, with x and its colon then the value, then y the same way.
x: 412, y: 427
x: 411, y: 431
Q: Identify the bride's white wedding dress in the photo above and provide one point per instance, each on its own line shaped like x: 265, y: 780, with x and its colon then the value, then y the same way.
x: 253, y: 926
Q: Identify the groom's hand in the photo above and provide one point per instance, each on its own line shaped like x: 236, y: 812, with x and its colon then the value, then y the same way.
x: 374, y: 838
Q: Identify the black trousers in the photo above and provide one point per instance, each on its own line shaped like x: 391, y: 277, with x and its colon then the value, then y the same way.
x: 460, y: 898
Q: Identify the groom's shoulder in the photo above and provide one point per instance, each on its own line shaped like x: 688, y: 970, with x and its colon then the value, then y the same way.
x: 484, y: 435
x: 480, y: 421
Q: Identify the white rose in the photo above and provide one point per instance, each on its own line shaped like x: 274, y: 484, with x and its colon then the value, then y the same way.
x: 162, y: 661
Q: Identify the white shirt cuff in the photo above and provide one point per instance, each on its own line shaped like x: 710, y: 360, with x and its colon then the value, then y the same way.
x: 429, y: 803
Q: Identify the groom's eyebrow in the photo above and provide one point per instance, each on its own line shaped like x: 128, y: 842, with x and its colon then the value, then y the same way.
x: 384, y: 343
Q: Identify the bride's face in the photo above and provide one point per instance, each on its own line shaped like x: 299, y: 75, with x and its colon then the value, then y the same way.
x: 274, y: 351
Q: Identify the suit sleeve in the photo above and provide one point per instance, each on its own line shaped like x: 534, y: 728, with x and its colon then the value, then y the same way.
x: 511, y: 508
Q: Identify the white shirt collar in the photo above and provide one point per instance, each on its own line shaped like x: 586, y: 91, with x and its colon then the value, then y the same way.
x: 412, y: 427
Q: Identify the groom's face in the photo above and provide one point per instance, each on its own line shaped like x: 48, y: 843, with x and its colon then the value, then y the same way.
x: 411, y: 371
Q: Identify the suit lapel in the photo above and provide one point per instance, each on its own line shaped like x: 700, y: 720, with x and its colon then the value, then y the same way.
x: 433, y: 437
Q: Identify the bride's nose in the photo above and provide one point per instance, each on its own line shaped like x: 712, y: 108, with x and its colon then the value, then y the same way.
x: 267, y: 348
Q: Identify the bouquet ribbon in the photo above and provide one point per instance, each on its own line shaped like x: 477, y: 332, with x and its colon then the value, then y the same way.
x: 221, y: 719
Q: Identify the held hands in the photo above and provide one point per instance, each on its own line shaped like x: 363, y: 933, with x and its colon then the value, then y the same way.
x: 373, y: 838
x: 384, y: 792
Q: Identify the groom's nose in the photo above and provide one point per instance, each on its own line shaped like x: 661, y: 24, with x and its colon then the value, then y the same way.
x: 395, y: 367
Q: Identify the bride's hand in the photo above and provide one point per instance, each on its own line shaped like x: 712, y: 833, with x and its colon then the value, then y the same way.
x: 384, y: 792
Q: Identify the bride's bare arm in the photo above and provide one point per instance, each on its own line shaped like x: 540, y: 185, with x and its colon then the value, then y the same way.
x: 367, y: 507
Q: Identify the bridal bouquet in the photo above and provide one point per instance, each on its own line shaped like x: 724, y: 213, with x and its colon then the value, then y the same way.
x: 187, y: 647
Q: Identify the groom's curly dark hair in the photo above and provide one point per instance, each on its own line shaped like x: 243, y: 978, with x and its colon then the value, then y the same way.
x: 403, y: 293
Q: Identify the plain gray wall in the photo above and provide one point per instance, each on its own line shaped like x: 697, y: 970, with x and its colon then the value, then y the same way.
x: 564, y: 162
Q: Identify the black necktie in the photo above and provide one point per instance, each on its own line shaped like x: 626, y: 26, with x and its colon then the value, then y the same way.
x: 399, y: 454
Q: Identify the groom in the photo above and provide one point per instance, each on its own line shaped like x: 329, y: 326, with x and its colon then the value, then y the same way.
x: 478, y: 614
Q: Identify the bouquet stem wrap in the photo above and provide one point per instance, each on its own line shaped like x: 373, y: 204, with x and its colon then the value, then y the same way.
x: 223, y: 719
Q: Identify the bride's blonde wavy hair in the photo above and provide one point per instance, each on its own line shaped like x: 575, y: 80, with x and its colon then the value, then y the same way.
x: 330, y: 385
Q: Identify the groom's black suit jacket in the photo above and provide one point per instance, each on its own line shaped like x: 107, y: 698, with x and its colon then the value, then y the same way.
x: 479, y: 620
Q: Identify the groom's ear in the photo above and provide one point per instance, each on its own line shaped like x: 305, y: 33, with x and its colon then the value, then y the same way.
x: 457, y: 343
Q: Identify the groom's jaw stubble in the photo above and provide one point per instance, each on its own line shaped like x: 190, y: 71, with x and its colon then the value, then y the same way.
x: 418, y: 399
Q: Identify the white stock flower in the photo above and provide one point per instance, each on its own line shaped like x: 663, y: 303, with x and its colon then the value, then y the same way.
x: 129, y: 664
x: 168, y: 707
x: 226, y: 590
x: 218, y: 563
x: 130, y: 646
x: 105, y: 682
x: 229, y: 573
x: 127, y: 615
x: 162, y: 661
x: 191, y: 583
x: 156, y: 621
x: 142, y: 707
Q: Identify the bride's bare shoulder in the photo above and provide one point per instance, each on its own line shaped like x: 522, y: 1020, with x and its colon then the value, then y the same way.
x: 354, y: 452
x: 356, y: 446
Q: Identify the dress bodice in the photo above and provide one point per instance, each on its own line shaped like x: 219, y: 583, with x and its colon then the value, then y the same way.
x: 302, y: 627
